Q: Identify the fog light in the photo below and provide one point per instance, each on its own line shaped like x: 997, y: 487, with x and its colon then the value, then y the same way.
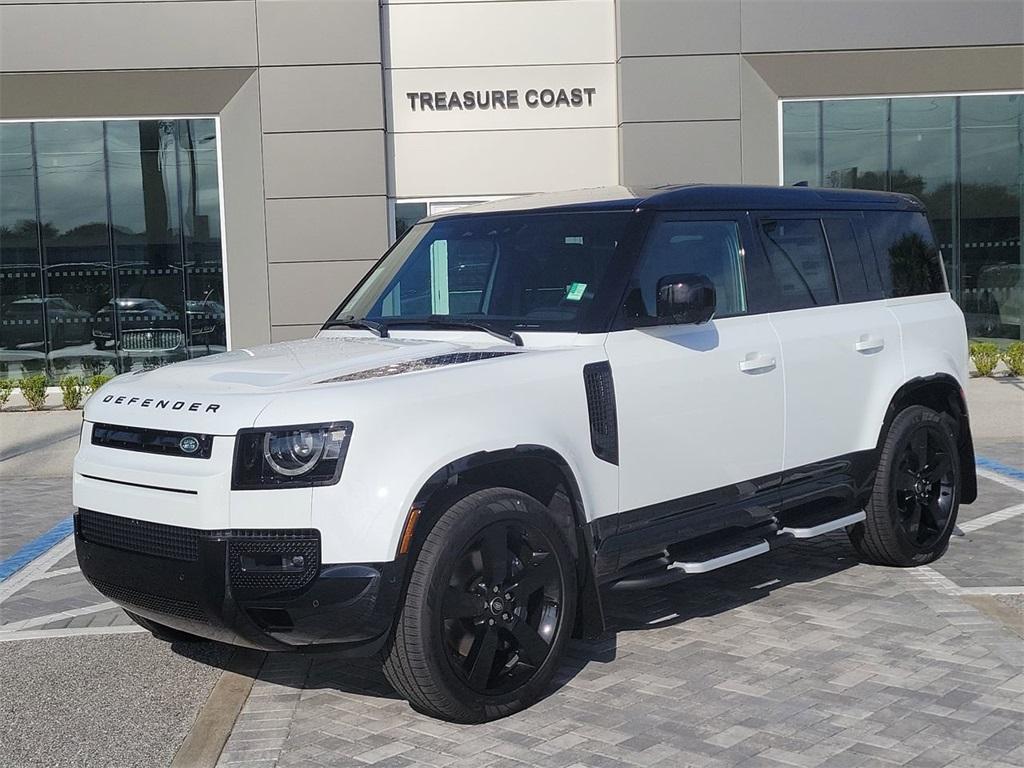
x: 271, y: 562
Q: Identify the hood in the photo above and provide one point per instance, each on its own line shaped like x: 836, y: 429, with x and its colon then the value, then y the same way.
x: 220, y: 393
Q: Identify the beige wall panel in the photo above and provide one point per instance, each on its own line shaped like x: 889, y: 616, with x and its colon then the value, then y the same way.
x: 245, y: 241
x: 293, y: 332
x: 111, y: 94
x: 865, y: 73
x: 667, y: 27
x: 318, y: 31
x: 307, y: 293
x: 800, y: 25
x: 679, y: 88
x: 596, y: 109
x: 139, y: 35
x: 501, y: 33
x: 321, y: 98
x: 680, y: 153
x: 759, y: 130
x: 503, y: 162
x: 326, y: 164
x: 327, y: 229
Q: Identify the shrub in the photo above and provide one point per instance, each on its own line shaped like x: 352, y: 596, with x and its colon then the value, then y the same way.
x: 985, y: 355
x: 33, y: 389
x: 6, y: 387
x: 96, y: 381
x: 71, y: 392
x: 1013, y: 356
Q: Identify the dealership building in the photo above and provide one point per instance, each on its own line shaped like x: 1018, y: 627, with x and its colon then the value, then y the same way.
x: 182, y: 176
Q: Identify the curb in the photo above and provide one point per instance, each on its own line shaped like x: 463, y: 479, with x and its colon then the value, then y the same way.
x: 210, y: 731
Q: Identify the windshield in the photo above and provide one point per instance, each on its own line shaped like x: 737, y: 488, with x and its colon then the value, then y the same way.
x: 512, y: 272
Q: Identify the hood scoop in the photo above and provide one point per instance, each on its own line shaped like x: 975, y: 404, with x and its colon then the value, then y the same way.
x: 423, y: 364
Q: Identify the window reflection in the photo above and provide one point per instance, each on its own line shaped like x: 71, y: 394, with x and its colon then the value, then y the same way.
x: 962, y: 155
x: 110, y: 248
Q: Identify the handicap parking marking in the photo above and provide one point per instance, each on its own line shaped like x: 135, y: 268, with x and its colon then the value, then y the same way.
x: 30, y: 552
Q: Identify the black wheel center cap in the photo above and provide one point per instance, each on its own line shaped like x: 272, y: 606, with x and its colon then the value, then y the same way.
x: 497, y: 606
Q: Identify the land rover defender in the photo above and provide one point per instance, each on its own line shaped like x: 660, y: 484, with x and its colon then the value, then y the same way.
x: 526, y: 404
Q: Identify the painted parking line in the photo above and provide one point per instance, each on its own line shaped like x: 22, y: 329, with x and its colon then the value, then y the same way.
x: 1000, y: 472
x: 35, y: 548
x: 992, y: 518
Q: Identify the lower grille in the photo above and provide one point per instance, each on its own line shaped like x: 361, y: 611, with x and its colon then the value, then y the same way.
x: 251, y: 556
x: 158, y: 339
x: 169, y: 541
x: 183, y: 609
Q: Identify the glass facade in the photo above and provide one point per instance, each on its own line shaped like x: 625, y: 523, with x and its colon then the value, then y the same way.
x: 110, y: 245
x: 963, y: 156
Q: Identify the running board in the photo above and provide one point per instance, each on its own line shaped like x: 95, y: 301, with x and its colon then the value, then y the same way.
x: 808, y: 532
x: 714, y: 563
x: 678, y: 563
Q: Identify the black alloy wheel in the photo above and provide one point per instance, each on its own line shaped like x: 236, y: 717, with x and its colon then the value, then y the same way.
x: 923, y: 483
x: 913, y: 505
x: 488, y: 609
x: 502, y: 607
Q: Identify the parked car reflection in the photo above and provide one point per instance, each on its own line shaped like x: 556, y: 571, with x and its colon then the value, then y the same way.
x: 146, y: 326
x: 23, y: 323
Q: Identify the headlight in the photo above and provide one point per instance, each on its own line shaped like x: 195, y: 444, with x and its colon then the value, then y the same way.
x: 290, y: 457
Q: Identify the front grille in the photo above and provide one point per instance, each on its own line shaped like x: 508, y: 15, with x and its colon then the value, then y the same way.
x: 159, y: 441
x: 156, y: 339
x: 168, y: 541
x: 604, y: 429
x: 248, y: 549
x: 184, y: 609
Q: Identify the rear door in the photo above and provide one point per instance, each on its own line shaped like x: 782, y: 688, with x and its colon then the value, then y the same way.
x: 841, y: 351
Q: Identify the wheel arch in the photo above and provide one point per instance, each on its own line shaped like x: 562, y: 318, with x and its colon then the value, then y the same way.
x: 942, y: 393
x: 538, y: 471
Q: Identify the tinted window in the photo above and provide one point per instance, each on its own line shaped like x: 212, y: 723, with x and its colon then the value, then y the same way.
x: 709, y: 248
x: 856, y: 272
x: 908, y: 259
x: 798, y: 259
x: 523, y: 271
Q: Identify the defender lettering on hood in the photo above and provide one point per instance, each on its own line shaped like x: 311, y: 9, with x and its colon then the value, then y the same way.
x: 152, y: 402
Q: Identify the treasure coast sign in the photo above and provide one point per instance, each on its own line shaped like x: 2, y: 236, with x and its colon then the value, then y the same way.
x: 500, y: 99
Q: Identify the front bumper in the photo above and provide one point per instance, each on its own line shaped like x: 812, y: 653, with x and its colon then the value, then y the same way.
x: 226, y: 586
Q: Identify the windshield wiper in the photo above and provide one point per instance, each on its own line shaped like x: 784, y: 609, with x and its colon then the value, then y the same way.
x: 442, y: 321
x: 358, y: 322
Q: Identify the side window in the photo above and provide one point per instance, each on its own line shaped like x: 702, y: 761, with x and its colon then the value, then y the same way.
x: 710, y: 248
x: 799, y: 263
x: 856, y: 271
x: 908, y: 259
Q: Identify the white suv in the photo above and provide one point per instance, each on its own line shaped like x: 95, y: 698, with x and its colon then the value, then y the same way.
x: 526, y: 404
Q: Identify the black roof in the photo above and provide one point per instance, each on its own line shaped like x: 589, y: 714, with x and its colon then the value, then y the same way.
x: 696, y: 197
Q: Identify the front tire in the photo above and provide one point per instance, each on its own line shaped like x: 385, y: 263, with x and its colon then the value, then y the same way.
x: 489, y: 607
x: 916, y: 495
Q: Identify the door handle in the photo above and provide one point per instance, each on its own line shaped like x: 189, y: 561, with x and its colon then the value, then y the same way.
x: 757, y: 362
x: 868, y: 344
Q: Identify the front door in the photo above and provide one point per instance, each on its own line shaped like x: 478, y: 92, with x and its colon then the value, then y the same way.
x: 700, y: 407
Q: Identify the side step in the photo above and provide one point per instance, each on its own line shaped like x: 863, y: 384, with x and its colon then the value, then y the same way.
x: 683, y: 560
x: 810, y: 531
x: 722, y: 560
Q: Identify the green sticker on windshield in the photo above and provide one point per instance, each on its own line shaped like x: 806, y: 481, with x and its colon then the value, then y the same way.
x: 576, y: 291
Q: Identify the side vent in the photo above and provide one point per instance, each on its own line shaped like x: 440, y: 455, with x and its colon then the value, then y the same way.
x: 604, y: 428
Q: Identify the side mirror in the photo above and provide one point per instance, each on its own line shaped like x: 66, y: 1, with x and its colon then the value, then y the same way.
x: 688, y: 299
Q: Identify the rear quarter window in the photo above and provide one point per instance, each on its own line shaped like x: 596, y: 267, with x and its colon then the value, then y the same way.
x: 908, y: 259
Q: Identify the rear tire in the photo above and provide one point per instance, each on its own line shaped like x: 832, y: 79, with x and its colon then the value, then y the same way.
x: 161, y: 632
x: 914, y: 502
x: 489, y: 607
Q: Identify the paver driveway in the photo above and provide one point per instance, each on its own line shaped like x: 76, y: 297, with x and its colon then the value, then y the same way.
x: 804, y: 657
